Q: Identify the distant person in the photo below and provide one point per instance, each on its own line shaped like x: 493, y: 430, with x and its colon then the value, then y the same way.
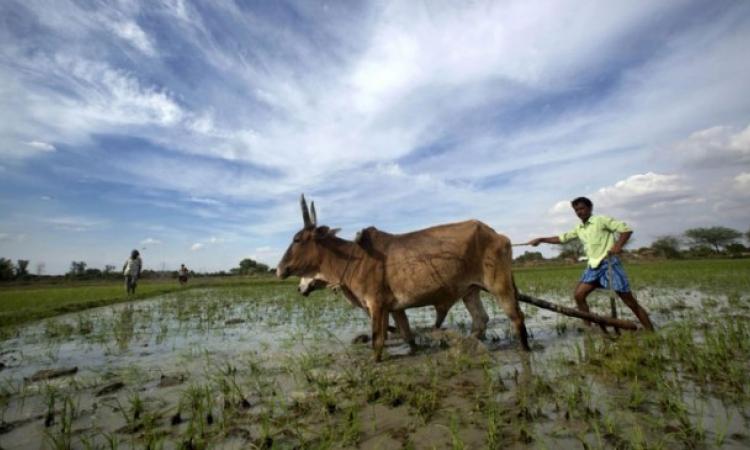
x: 183, y: 274
x: 597, y: 233
x: 132, y: 271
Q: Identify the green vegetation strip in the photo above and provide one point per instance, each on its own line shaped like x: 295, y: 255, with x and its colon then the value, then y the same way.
x: 707, y: 275
x: 19, y: 304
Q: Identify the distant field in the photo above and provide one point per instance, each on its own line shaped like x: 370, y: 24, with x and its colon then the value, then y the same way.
x: 20, y: 304
x: 723, y: 274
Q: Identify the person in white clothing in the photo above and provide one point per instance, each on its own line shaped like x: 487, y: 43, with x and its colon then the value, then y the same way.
x: 132, y: 271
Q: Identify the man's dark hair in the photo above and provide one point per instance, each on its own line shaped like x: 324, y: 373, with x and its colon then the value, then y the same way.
x: 583, y: 200
x: 134, y: 254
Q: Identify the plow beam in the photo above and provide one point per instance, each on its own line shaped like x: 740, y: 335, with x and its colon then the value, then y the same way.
x: 617, y: 323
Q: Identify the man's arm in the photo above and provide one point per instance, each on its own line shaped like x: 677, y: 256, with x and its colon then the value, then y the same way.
x: 545, y: 240
x: 621, y: 241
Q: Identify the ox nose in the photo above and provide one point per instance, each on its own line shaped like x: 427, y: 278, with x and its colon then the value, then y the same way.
x: 282, y: 272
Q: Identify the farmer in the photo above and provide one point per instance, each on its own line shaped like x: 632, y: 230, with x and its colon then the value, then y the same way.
x: 132, y: 270
x: 597, y: 233
x: 183, y: 274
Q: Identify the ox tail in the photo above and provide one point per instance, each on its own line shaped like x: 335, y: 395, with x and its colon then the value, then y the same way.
x: 516, y: 293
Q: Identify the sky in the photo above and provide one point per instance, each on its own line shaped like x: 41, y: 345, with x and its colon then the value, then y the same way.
x: 188, y: 130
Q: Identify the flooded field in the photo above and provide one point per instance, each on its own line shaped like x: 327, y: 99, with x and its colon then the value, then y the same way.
x: 262, y: 367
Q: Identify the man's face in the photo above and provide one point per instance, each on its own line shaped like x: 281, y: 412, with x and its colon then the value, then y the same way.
x: 582, y: 211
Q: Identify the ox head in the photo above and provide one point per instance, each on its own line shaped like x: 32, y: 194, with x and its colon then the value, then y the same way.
x: 303, y: 257
x: 310, y: 284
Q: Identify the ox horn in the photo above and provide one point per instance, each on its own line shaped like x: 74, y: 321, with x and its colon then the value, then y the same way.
x: 305, y: 212
x: 313, y: 214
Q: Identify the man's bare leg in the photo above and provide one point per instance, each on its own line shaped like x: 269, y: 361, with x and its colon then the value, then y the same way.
x: 640, y: 313
x: 581, y: 293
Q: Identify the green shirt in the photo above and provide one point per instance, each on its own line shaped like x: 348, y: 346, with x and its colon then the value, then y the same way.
x: 597, y: 235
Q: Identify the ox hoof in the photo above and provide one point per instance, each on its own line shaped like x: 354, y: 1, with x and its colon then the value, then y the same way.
x: 479, y: 335
x: 361, y: 339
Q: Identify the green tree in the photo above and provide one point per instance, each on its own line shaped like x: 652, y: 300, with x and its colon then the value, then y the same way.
x: 735, y: 249
x: 77, y: 268
x: 530, y: 256
x: 667, y: 246
x: 22, y: 268
x: 571, y: 249
x: 249, y: 266
x: 747, y: 235
x: 6, y: 269
x: 715, y: 237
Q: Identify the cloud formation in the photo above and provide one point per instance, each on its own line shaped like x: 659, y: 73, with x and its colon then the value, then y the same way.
x: 211, y: 119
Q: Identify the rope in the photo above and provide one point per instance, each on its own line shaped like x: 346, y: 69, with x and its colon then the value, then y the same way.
x: 343, y: 273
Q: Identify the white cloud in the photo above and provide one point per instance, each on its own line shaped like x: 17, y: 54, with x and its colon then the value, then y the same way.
x: 132, y: 33
x: 75, y: 223
x: 640, y: 191
x: 98, y: 99
x: 4, y: 236
x: 716, y: 146
x: 43, y: 146
x: 740, y: 142
x: 742, y: 182
x: 150, y: 241
x: 197, y: 246
x: 645, y: 188
x: 46, y: 198
x: 205, y: 201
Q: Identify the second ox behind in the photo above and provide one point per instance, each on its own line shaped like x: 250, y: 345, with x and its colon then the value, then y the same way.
x: 434, y: 266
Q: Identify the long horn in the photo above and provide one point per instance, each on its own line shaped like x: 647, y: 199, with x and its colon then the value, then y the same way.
x: 314, y: 215
x: 305, y: 212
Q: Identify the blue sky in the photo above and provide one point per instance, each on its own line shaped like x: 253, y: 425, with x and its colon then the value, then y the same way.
x: 189, y: 129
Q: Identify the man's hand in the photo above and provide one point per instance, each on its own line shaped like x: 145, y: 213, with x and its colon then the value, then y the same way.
x: 535, y: 242
x: 615, y: 250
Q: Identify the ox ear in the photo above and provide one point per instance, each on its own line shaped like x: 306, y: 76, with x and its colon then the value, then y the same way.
x: 321, y: 231
x: 325, y: 231
x: 363, y: 237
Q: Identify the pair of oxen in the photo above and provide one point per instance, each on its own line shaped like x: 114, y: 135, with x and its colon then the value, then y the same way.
x: 386, y: 274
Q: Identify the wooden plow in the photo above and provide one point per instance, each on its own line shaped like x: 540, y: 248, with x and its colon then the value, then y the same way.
x: 601, y: 320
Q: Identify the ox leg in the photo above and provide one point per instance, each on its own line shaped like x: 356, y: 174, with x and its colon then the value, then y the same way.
x: 502, y: 289
x: 479, y: 317
x: 379, y: 330
x: 440, y: 313
x: 403, y: 325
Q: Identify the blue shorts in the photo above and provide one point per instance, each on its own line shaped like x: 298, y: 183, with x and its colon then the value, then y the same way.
x: 600, y: 277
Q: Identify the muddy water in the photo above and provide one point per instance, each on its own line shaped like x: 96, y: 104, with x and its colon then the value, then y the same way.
x: 159, y: 351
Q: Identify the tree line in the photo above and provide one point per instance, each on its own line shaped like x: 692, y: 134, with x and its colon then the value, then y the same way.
x: 80, y: 270
x: 692, y: 243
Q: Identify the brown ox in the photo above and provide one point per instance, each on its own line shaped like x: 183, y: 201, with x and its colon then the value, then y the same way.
x: 377, y: 243
x: 422, y: 268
